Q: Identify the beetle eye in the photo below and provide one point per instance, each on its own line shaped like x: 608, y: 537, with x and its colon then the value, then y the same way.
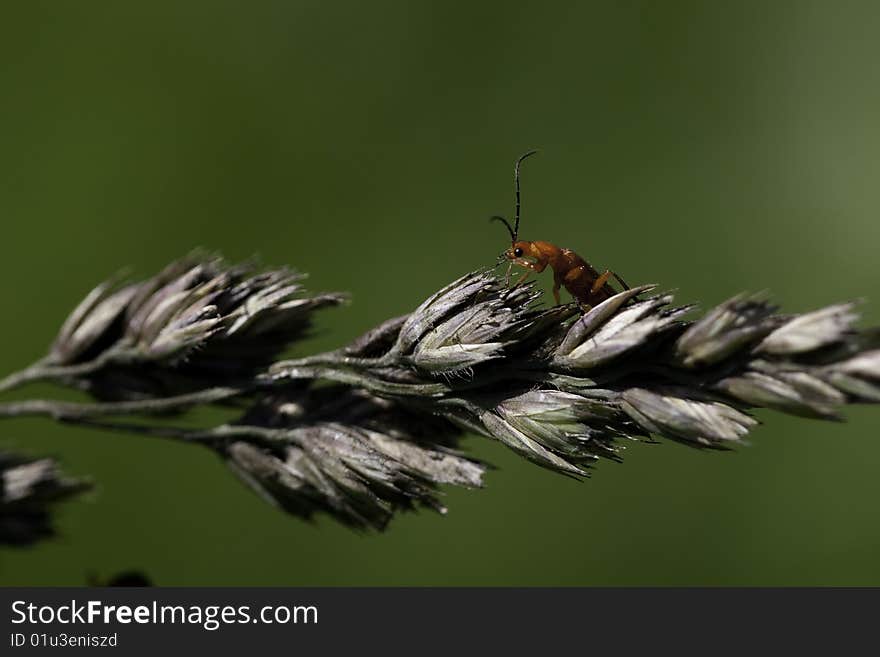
x: 517, y: 252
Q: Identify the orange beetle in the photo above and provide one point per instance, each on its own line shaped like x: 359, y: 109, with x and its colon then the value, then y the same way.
x: 571, y: 271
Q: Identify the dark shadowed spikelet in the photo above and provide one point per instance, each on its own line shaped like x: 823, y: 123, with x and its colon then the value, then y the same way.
x: 350, y: 454
x: 28, y: 490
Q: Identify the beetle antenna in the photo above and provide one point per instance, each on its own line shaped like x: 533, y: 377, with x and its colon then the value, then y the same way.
x: 506, y: 223
x: 519, y: 161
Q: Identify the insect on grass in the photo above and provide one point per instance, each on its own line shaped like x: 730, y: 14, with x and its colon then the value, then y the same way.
x: 570, y: 270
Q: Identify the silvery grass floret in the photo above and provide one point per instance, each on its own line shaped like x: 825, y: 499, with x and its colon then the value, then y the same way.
x: 199, y: 323
x: 373, y: 427
x: 348, y: 453
x: 29, y: 488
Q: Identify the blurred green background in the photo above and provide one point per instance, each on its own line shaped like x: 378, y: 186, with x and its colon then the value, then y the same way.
x: 710, y: 147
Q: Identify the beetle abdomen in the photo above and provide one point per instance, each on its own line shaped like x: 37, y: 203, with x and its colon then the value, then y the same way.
x: 578, y: 277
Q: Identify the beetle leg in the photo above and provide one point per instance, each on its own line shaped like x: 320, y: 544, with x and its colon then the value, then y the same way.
x: 528, y: 264
x: 557, y: 283
x: 538, y: 266
x: 522, y: 278
x: 600, y: 282
x: 529, y: 268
